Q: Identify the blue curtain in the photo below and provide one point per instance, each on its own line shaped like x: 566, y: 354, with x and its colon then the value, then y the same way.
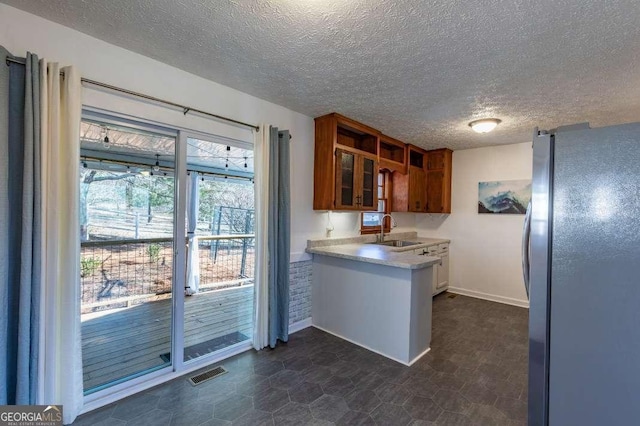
x: 20, y: 235
x: 279, y: 235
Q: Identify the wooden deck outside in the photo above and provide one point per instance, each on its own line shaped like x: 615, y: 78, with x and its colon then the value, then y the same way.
x: 124, y: 342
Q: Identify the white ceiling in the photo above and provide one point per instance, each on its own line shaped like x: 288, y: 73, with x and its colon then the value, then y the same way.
x: 417, y: 70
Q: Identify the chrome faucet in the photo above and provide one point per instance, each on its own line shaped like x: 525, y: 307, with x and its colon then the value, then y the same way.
x: 393, y: 225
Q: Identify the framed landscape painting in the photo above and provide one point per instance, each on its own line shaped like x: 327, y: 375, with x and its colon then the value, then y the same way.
x: 504, y: 196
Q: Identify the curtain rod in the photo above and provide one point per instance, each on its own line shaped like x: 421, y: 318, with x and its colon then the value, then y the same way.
x: 185, y: 109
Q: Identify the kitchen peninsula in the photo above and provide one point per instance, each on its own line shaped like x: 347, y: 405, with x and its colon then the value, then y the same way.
x: 376, y: 296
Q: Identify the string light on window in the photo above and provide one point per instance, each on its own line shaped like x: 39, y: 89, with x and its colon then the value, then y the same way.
x: 105, y: 140
x: 156, y: 168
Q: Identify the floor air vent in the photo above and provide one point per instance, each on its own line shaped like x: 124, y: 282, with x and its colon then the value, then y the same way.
x: 206, y: 375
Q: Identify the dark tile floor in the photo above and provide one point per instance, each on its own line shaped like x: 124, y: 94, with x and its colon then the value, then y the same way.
x: 475, y: 374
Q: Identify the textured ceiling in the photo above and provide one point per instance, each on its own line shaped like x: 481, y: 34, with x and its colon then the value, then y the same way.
x: 417, y: 70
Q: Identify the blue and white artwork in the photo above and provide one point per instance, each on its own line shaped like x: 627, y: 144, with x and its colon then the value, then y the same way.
x: 504, y: 196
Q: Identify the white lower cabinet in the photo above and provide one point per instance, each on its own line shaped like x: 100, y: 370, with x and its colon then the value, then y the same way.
x: 443, y: 273
x: 440, y: 270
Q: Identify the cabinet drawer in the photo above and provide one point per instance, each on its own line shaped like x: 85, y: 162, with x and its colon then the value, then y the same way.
x: 443, y: 248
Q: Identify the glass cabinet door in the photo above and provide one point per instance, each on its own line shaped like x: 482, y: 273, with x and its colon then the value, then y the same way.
x: 369, y: 184
x: 346, y: 196
x: 356, y: 181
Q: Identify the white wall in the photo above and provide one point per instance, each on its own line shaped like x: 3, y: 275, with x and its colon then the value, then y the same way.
x: 97, y: 60
x: 485, y: 249
x: 347, y: 224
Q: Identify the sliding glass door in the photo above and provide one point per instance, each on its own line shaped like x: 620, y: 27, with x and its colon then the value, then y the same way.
x: 218, y: 306
x: 150, y: 302
x: 127, y: 204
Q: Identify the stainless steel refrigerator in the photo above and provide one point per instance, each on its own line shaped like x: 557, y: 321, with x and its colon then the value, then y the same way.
x: 581, y: 264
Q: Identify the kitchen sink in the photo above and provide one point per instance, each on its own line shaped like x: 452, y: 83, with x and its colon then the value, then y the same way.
x: 397, y: 243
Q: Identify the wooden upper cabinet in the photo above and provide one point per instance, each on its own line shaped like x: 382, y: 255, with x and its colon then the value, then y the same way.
x: 392, y: 154
x: 345, y: 164
x: 348, y: 156
x: 409, y: 190
x: 436, y: 159
x: 435, y: 198
x: 417, y: 190
x: 439, y: 163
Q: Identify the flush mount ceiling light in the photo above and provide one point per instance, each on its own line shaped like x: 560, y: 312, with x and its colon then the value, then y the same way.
x: 485, y: 125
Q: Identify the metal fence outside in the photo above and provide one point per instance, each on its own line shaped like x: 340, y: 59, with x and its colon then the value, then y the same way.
x: 226, y: 260
x: 121, y: 273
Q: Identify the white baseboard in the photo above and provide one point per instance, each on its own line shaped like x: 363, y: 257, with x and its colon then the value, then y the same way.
x: 413, y: 361
x: 300, y: 325
x: 373, y: 350
x: 490, y: 297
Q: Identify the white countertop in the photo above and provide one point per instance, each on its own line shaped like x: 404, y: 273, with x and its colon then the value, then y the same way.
x: 360, y: 249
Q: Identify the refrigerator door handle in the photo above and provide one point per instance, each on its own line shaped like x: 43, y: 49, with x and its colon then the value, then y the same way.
x: 526, y: 235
